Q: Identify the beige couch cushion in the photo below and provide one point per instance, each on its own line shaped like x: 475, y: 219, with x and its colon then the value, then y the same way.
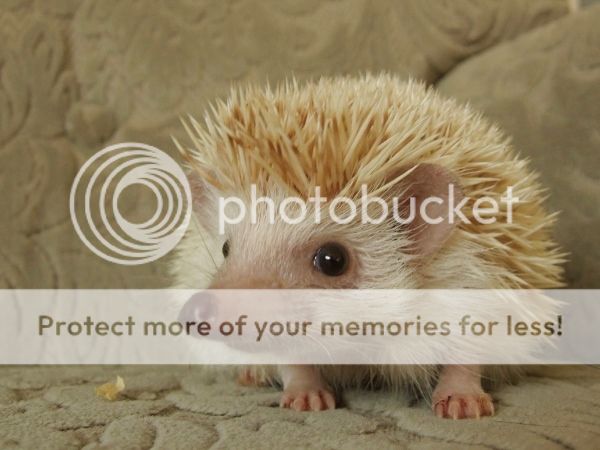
x: 544, y: 90
x: 76, y: 76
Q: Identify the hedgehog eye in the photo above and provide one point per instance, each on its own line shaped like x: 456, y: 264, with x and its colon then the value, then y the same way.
x: 226, y: 249
x: 331, y: 259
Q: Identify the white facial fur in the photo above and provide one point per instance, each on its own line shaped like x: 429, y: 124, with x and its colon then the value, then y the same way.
x: 280, y: 255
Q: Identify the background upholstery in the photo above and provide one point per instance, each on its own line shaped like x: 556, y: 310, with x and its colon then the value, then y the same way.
x: 544, y: 90
x: 78, y: 76
x: 187, y: 408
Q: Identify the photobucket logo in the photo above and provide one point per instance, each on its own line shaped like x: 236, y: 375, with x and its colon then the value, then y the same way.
x: 369, y: 209
x: 94, y: 203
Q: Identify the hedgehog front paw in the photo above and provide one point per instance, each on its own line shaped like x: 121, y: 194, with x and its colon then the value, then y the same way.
x: 251, y: 377
x: 307, y: 399
x: 463, y: 405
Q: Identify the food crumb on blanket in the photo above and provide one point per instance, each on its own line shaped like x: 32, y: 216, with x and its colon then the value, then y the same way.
x: 110, y: 391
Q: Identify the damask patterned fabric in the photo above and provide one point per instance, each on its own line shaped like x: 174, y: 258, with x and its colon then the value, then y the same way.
x: 189, y: 408
x: 544, y: 90
x: 78, y: 76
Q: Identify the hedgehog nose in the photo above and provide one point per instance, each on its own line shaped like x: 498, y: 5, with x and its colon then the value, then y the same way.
x: 201, y: 307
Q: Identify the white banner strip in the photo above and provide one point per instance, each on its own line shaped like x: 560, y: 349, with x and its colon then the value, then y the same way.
x: 300, y: 327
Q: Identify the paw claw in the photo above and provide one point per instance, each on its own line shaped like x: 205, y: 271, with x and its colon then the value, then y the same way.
x: 455, y: 408
x: 300, y: 403
x: 440, y: 408
x: 316, y: 403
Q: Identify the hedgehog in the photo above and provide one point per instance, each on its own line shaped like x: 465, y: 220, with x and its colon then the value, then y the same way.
x: 338, y: 134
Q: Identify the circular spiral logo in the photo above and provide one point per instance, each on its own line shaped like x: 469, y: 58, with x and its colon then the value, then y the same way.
x: 94, y: 203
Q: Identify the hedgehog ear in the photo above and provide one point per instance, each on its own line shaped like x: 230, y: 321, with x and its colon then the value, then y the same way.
x: 199, y: 189
x: 202, y: 201
x: 434, y: 190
